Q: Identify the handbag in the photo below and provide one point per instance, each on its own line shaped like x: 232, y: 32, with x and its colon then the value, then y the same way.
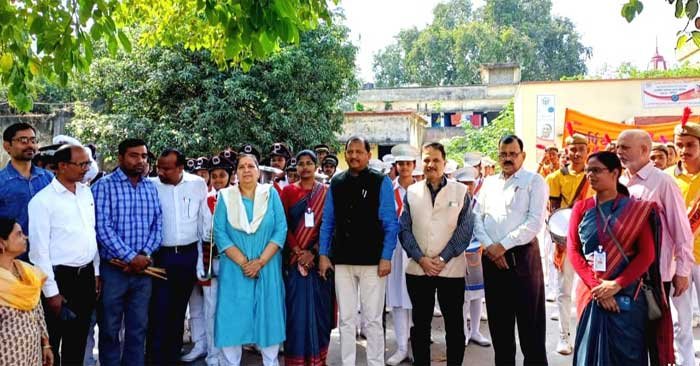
x: 653, y: 309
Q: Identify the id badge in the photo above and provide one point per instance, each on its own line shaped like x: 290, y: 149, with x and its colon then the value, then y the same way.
x: 599, y: 260
x: 309, y: 218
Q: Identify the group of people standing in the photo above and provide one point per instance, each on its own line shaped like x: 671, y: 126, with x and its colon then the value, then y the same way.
x: 279, y: 263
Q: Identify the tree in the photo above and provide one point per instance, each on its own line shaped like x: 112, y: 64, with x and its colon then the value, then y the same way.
x: 682, y: 9
x: 484, y: 140
x: 176, y: 97
x: 48, y: 38
x: 452, y: 48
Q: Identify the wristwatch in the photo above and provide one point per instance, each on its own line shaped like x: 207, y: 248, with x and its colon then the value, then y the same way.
x: 442, y: 259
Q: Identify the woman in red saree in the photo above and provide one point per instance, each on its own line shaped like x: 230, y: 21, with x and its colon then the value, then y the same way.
x: 309, y: 298
x: 612, y: 245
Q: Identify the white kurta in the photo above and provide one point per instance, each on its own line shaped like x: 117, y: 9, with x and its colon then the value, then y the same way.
x: 396, y: 290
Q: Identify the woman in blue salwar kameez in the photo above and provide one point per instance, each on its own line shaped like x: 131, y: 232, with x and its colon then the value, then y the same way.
x: 249, y: 230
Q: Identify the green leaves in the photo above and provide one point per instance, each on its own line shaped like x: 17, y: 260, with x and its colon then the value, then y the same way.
x: 632, y: 8
x: 691, y: 8
x: 62, y: 35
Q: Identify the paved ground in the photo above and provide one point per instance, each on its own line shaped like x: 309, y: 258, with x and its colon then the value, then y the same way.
x: 474, y: 355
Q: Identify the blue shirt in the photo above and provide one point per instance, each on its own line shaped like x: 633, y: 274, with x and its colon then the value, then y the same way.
x: 387, y: 214
x: 129, y: 219
x: 16, y: 191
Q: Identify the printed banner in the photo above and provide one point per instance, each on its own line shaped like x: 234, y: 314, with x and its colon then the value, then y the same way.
x: 599, y: 131
x: 670, y: 94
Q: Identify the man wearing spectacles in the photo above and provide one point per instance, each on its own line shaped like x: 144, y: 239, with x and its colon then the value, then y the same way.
x: 20, y: 180
x: 509, y: 214
x: 64, y: 246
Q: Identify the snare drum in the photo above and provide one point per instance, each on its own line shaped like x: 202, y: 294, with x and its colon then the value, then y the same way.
x: 558, y: 225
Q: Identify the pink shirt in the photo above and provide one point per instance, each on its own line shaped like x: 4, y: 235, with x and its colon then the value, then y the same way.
x: 651, y: 184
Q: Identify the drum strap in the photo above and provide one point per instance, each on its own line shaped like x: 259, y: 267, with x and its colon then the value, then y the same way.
x: 694, y: 215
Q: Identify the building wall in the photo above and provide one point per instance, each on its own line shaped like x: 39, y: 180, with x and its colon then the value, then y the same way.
x: 611, y: 100
x: 47, y: 126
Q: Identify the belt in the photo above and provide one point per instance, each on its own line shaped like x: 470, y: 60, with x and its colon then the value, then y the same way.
x: 72, y: 269
x: 178, y: 248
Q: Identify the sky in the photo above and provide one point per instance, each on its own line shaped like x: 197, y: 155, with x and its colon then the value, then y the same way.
x: 374, y: 23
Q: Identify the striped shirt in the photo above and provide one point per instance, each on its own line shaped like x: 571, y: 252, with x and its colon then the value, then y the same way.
x: 129, y: 219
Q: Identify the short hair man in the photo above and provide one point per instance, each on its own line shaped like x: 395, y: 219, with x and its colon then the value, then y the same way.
x: 129, y: 229
x: 359, y: 232
x: 659, y: 156
x: 437, y: 264
x: 509, y: 214
x: 186, y: 224
x: 20, y: 180
x: 647, y: 183
x: 64, y: 246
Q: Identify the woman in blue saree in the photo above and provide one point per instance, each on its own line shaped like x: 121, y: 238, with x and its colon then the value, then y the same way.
x: 611, y: 245
x: 309, y: 298
x: 249, y: 230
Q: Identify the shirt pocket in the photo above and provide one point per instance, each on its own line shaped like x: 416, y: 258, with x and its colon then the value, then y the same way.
x: 517, y: 199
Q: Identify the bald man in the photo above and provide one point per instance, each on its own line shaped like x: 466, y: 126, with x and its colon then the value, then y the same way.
x: 648, y: 183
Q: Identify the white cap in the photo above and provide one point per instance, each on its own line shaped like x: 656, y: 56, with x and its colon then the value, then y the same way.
x: 376, y: 164
x: 472, y: 158
x: 486, y: 161
x: 466, y: 174
x: 451, y: 166
x: 404, y: 152
x: 388, y: 158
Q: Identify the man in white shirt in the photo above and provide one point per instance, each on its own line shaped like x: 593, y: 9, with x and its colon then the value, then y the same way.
x: 186, y: 223
x: 509, y: 213
x: 64, y: 246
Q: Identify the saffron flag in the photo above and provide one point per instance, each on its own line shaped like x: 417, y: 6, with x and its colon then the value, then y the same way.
x: 596, y: 129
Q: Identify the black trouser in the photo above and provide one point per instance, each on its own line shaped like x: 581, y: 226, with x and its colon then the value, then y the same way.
x: 450, y: 293
x: 517, y: 294
x: 68, y: 337
x: 169, y: 303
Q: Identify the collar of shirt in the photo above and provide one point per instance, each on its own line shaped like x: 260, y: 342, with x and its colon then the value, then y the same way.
x: 34, y: 172
x: 60, y: 188
x: 434, y: 192
x: 643, y: 173
x: 515, y: 175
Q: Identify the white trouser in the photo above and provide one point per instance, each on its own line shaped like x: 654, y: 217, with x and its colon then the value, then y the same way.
x: 348, y: 278
x: 471, y: 310
x: 548, y: 258
x: 197, y: 318
x: 696, y: 286
x: 682, y: 313
x: 402, y: 323
x: 565, y: 281
x: 233, y: 355
x: 210, y: 293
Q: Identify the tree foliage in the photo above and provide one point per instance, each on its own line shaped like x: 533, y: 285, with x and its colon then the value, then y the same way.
x: 484, y: 140
x: 174, y: 97
x: 451, y: 49
x: 627, y: 70
x: 54, y: 39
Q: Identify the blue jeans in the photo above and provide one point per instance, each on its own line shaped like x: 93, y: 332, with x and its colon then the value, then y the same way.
x: 123, y: 296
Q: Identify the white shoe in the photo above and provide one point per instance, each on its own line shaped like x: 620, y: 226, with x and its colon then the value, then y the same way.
x: 195, y: 353
x: 397, y: 358
x: 479, y: 339
x: 696, y: 320
x: 564, y: 345
x: 437, y: 313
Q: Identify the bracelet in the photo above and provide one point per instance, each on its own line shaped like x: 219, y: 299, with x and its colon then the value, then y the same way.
x: 48, y: 346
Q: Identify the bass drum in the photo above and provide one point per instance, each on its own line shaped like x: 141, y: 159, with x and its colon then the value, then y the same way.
x: 558, y: 225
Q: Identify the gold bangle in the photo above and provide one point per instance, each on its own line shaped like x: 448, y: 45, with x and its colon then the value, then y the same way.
x: 48, y: 346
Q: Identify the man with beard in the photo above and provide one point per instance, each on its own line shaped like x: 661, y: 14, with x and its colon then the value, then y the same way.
x: 20, y: 180
x: 566, y: 186
x: 129, y: 229
x: 64, y: 246
x: 186, y: 224
x: 645, y: 182
x: 509, y: 214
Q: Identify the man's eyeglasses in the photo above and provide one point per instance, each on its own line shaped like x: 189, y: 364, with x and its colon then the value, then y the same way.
x: 83, y: 165
x: 511, y: 155
x: 26, y: 139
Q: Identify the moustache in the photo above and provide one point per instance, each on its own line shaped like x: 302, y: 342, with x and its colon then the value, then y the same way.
x: 507, y: 163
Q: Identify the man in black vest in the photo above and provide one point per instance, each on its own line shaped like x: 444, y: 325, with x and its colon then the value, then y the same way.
x: 359, y: 232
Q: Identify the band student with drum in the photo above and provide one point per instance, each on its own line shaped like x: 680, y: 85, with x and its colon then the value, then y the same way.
x: 567, y: 186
